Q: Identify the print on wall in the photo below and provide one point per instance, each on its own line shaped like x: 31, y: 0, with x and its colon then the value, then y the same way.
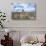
x: 21, y: 11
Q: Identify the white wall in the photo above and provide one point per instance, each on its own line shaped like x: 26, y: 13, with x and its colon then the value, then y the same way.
x: 40, y: 15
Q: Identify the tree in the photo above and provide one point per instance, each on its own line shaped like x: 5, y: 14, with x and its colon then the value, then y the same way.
x: 2, y: 18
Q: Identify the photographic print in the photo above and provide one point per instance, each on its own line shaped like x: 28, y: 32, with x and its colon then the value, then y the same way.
x: 23, y: 11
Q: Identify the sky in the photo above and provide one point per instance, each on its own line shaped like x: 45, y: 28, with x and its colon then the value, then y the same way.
x: 26, y: 7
